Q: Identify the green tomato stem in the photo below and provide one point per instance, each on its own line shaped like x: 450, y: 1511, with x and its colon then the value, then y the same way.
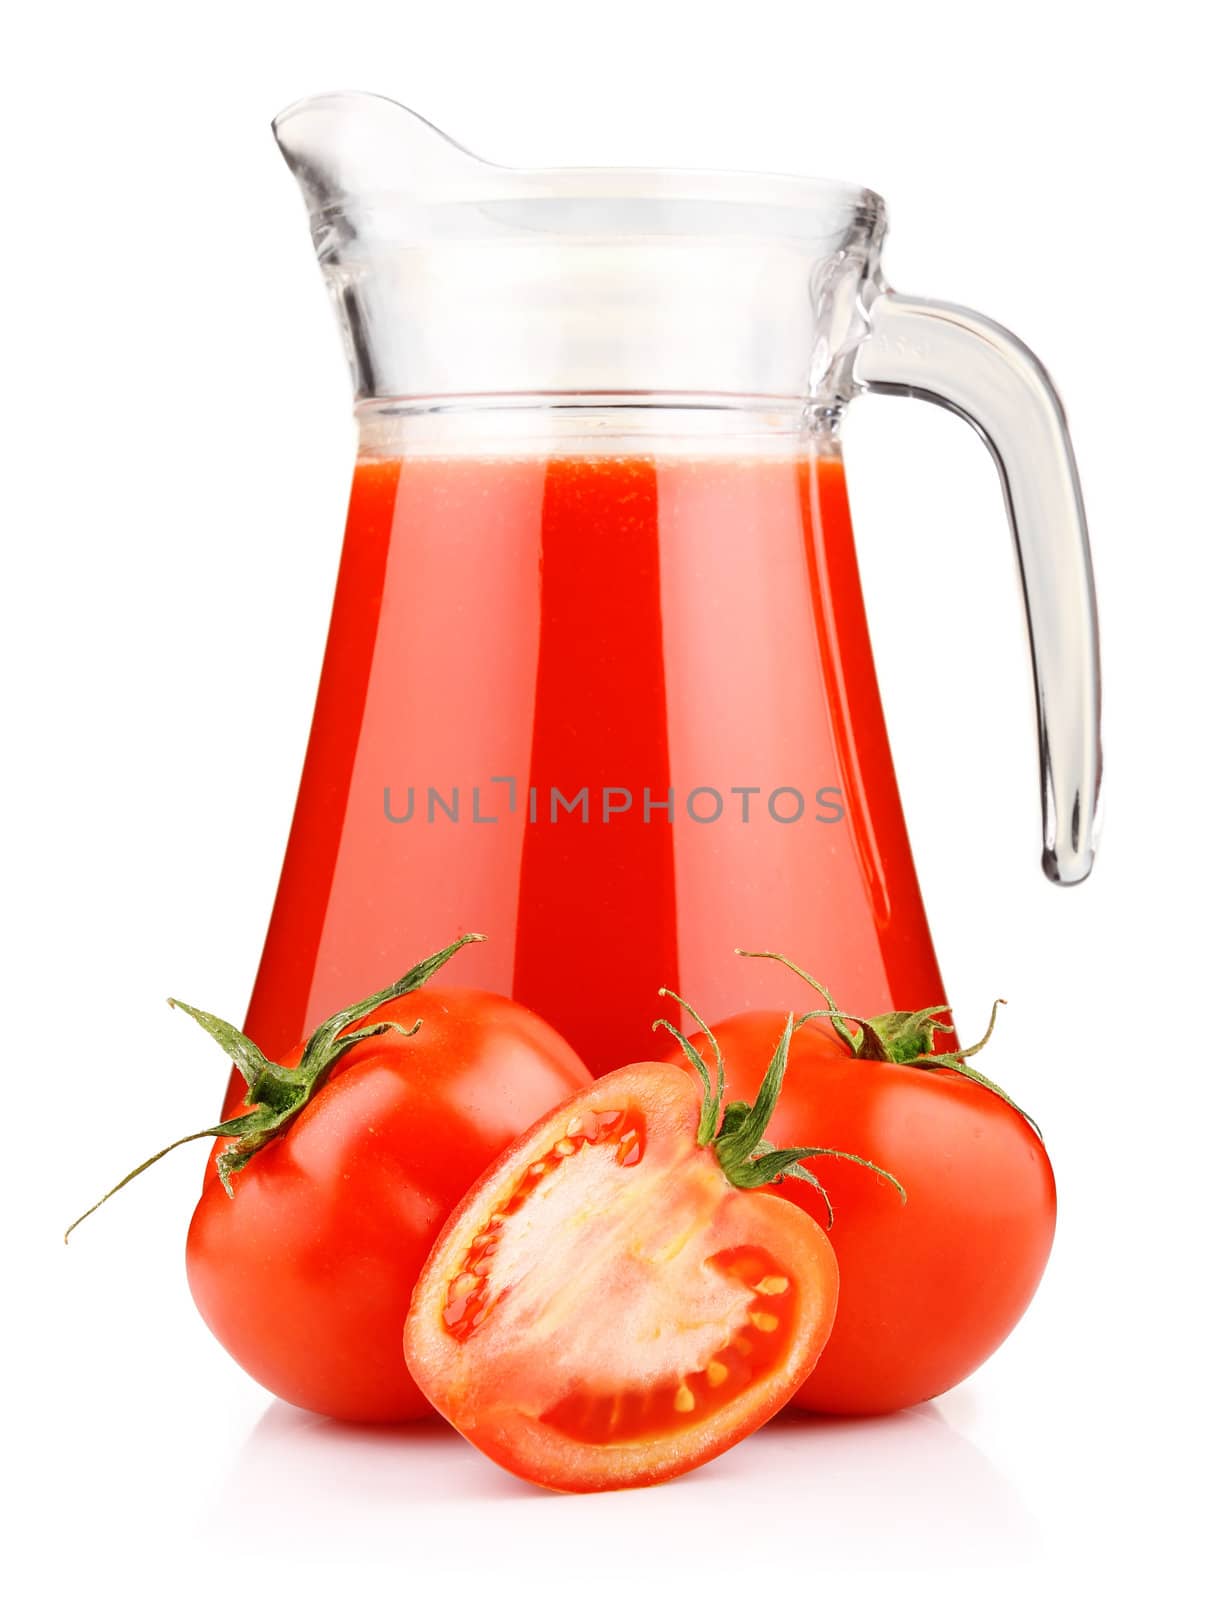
x: 276, y: 1095
x: 906, y: 1038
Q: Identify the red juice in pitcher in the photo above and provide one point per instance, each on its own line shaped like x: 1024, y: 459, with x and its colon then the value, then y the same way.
x: 617, y: 711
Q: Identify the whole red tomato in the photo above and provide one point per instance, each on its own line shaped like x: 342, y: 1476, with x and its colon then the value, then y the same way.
x: 360, y: 1144
x: 929, y: 1288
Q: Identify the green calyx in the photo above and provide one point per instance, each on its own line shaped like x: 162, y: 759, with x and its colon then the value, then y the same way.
x: 736, y: 1131
x: 276, y: 1095
x: 907, y: 1038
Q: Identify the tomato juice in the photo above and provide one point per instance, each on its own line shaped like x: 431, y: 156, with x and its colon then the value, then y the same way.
x: 618, y: 712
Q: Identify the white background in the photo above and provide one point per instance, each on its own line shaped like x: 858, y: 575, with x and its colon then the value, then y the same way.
x: 177, y: 448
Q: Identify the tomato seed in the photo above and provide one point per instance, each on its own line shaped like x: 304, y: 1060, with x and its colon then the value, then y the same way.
x: 629, y: 1151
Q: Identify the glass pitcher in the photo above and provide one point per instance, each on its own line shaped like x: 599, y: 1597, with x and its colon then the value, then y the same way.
x: 598, y: 682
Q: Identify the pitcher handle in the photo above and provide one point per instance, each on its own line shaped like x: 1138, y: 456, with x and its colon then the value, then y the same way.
x: 971, y: 365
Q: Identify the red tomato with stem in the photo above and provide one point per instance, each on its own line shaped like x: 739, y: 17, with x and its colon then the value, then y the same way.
x: 331, y: 1184
x: 929, y: 1288
x: 616, y: 1301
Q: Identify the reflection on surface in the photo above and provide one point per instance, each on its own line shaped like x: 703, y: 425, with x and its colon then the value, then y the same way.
x: 890, y: 1493
x: 315, y: 1463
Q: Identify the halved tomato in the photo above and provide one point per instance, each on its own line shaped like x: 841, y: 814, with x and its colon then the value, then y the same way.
x: 613, y: 1304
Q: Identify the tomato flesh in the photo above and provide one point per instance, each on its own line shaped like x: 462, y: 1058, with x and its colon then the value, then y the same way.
x: 642, y: 1412
x: 606, y: 1309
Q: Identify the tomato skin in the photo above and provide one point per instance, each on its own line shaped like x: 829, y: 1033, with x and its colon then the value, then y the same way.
x: 619, y: 1295
x: 305, y: 1275
x: 929, y: 1289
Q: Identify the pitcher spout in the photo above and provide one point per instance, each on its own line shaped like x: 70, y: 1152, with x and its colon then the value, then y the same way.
x: 347, y: 147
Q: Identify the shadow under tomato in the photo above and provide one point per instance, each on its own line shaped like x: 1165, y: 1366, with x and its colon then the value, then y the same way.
x: 293, y: 1458
x: 909, y: 1483
x: 906, y: 1488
